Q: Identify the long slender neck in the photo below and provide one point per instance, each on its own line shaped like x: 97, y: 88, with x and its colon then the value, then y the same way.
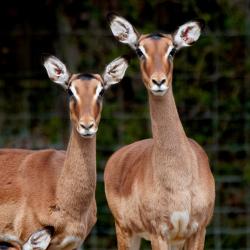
x: 171, y: 150
x: 77, y: 183
x: 166, y: 125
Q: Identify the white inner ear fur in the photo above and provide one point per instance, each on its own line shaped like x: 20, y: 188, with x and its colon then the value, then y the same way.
x: 38, y: 240
x: 98, y: 90
x: 124, y: 31
x: 56, y: 70
x: 187, y: 34
x: 143, y: 51
x: 74, y: 92
x: 114, y: 71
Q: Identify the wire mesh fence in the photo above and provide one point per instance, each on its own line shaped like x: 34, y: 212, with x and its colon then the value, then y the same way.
x: 211, y: 88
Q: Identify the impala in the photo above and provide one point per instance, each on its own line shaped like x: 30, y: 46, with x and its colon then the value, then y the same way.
x: 160, y: 189
x: 47, y: 197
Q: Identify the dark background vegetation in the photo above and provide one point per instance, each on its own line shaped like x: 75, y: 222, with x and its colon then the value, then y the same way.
x: 211, y: 86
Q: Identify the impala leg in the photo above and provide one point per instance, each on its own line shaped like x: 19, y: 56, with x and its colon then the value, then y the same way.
x: 125, y: 241
x: 196, y: 241
x: 158, y: 244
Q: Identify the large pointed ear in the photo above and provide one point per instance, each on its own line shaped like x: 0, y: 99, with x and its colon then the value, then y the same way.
x: 114, y: 72
x: 56, y: 70
x: 123, y: 31
x: 188, y: 33
x: 39, y: 240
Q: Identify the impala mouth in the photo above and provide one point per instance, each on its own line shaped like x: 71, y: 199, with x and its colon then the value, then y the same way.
x: 85, y: 133
x: 159, y: 90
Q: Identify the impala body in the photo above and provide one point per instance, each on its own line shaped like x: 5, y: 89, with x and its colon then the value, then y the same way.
x: 47, y: 198
x: 160, y: 189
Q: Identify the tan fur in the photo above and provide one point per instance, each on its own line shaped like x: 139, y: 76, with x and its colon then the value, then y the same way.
x: 161, y: 189
x: 53, y: 192
x: 52, y: 188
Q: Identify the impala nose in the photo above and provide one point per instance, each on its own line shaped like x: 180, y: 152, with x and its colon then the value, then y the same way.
x: 158, y: 82
x: 87, y: 126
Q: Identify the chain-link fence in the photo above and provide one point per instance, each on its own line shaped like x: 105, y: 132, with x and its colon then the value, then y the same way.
x: 211, y: 88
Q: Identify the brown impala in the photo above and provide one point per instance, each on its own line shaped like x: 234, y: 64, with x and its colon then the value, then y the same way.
x: 160, y: 189
x: 47, y: 197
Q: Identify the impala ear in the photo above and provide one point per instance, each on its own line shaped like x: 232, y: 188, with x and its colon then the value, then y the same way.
x: 123, y: 31
x: 38, y: 240
x: 188, y: 33
x: 56, y: 70
x: 114, y: 71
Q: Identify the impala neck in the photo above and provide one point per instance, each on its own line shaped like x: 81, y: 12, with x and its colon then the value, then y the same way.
x: 166, y: 125
x: 171, y: 150
x: 77, y: 183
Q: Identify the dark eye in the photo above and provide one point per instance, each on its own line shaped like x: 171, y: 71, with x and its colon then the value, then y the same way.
x: 101, y: 92
x: 139, y: 53
x: 70, y: 92
x: 172, y: 53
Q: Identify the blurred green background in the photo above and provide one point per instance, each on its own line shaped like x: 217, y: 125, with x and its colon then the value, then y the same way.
x: 211, y: 87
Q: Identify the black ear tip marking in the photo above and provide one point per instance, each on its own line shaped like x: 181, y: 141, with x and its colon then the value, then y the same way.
x: 50, y: 230
x: 111, y: 16
x: 201, y: 23
x: 45, y: 57
x: 128, y: 56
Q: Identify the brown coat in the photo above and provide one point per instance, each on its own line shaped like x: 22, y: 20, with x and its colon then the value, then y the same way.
x: 160, y: 187
x: 49, y: 187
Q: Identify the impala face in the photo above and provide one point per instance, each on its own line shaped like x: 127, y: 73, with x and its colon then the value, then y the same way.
x: 155, y: 51
x: 156, y: 61
x: 86, y: 94
x: 86, y: 91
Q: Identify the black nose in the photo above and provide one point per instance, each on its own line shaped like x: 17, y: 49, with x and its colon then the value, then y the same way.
x: 159, y: 82
x: 87, y: 126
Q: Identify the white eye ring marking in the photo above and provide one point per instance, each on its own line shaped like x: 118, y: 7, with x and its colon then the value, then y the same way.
x: 73, y: 90
x: 143, y: 51
x: 98, y: 90
x: 169, y: 50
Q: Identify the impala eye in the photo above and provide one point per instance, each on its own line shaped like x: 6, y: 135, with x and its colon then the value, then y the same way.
x: 70, y: 92
x: 139, y: 53
x: 101, y: 92
x: 71, y: 95
x: 172, y: 53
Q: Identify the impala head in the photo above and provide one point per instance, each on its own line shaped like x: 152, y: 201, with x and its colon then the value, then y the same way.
x: 86, y: 91
x: 156, y: 50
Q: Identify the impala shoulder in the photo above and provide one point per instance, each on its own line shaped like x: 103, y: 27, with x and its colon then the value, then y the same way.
x: 134, y: 149
x: 198, y: 150
x: 128, y: 156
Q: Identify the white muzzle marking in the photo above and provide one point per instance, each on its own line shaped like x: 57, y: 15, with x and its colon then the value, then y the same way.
x: 159, y: 90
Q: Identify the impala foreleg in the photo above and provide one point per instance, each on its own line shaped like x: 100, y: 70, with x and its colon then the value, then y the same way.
x: 196, y: 241
x: 157, y: 243
x: 126, y: 241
